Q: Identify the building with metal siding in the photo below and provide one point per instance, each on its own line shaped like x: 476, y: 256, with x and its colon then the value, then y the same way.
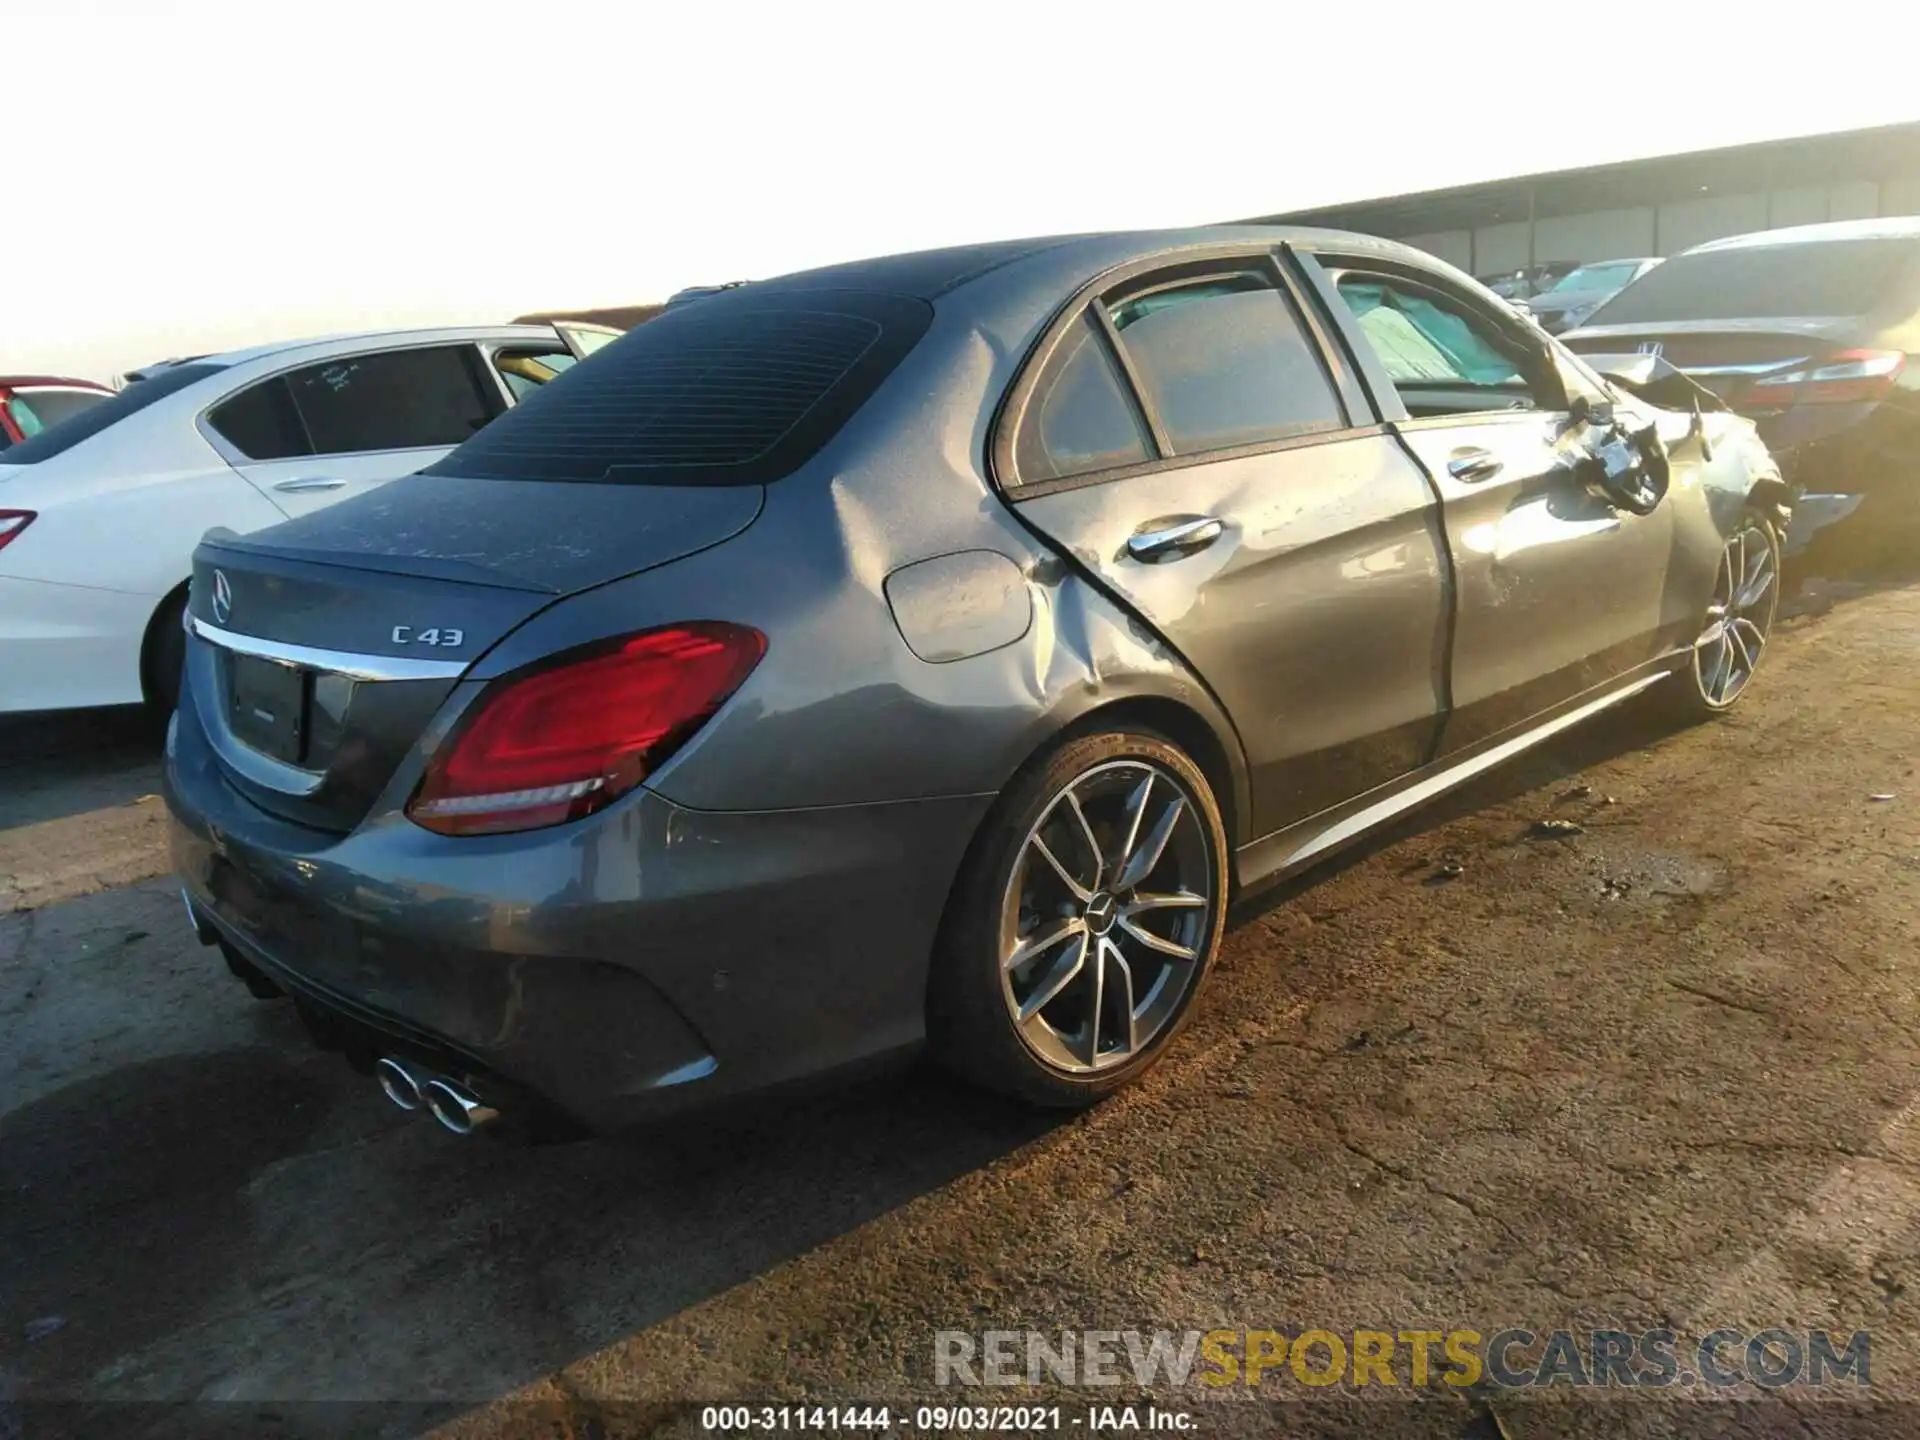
x: 1646, y: 207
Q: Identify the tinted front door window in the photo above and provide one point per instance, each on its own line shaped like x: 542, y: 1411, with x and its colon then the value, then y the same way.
x: 1224, y: 363
x: 1441, y: 358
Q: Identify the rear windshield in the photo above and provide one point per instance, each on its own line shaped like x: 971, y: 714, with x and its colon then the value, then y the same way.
x: 1811, y: 278
x: 85, y: 424
x: 740, y: 389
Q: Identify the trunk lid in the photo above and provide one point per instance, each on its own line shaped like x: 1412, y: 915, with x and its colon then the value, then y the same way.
x: 328, y: 644
x: 1723, y: 355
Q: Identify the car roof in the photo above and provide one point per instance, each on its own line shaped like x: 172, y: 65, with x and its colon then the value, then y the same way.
x: 922, y: 274
x: 380, y: 338
x: 929, y: 274
x: 1889, y: 227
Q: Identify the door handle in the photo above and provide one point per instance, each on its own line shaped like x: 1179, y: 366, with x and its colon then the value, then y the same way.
x: 1473, y: 464
x: 312, y: 482
x: 1173, y: 541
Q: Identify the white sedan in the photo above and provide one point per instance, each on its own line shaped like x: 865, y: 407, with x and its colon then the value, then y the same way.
x: 100, y: 513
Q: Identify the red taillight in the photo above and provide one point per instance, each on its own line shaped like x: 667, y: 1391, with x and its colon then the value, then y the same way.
x: 12, y: 522
x: 563, y: 741
x: 1850, y: 377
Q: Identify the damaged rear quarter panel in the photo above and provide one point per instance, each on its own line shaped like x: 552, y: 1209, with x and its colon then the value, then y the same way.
x: 842, y: 711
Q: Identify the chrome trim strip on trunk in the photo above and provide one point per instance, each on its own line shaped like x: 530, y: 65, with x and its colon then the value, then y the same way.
x: 336, y: 662
x: 1758, y: 368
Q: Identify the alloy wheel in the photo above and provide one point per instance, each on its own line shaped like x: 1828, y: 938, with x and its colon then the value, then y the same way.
x: 1746, y: 593
x: 1107, y: 915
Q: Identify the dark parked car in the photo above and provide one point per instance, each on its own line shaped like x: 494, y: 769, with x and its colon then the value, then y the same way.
x: 1529, y: 280
x: 925, y: 648
x: 1811, y: 332
x: 1577, y: 294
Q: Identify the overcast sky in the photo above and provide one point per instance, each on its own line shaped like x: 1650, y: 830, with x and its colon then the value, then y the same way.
x: 202, y: 174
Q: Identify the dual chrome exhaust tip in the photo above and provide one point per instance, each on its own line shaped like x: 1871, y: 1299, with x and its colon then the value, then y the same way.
x: 410, y: 1087
x: 406, y: 1084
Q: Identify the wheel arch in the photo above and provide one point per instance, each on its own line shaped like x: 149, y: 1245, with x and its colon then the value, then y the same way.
x: 1208, y: 740
x: 1210, y: 743
x: 1191, y: 732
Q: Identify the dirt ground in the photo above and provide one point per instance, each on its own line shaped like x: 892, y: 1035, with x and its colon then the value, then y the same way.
x: 1663, y: 1071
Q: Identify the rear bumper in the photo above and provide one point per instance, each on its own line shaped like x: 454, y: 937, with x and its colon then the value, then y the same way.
x: 1846, y: 449
x: 643, y: 960
x: 67, y: 646
x: 1815, y: 511
x: 1856, y: 469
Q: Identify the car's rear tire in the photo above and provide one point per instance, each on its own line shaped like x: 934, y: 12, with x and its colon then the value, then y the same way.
x: 1089, y: 910
x: 165, y: 656
x: 1737, y: 626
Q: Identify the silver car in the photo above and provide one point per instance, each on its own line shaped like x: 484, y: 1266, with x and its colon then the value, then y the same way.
x: 926, y: 649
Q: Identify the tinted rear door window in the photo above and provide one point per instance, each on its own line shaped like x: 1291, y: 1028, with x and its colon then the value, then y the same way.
x: 741, y: 388
x: 1812, y: 278
x: 393, y: 400
x: 1080, y: 417
x: 1224, y: 363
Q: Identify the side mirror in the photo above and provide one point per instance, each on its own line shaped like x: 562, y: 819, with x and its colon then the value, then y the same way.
x: 1627, y: 471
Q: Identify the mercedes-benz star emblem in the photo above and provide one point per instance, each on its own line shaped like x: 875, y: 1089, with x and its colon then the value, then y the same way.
x: 1652, y: 347
x: 1100, y: 913
x: 222, y: 596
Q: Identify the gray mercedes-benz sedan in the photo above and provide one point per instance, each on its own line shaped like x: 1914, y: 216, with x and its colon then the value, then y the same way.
x: 927, y: 649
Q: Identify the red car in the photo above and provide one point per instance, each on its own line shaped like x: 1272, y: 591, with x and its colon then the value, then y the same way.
x: 30, y: 403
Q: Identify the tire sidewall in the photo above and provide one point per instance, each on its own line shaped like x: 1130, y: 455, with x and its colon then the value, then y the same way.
x: 166, y: 658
